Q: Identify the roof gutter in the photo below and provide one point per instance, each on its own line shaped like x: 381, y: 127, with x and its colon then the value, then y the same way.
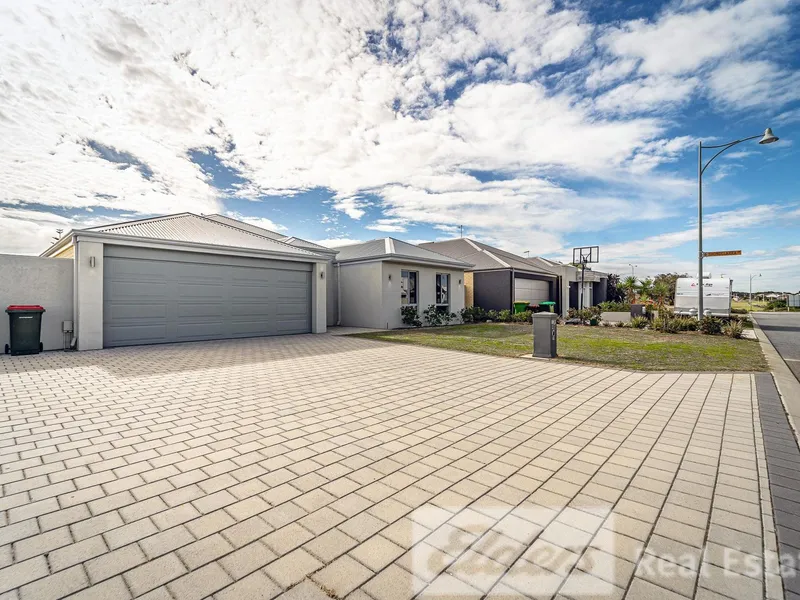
x: 59, y: 245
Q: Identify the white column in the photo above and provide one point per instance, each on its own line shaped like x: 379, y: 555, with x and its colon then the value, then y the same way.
x: 89, y: 295
x: 319, y: 311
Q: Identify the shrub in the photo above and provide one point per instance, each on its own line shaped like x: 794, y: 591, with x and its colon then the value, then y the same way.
x: 685, y: 323
x: 776, y: 305
x: 492, y: 315
x: 710, y: 325
x: 639, y: 322
x: 473, y: 314
x: 620, y: 324
x: 666, y: 325
x: 733, y: 329
x: 739, y: 311
x: 434, y: 316
x: 615, y: 307
x: 523, y: 317
x: 410, y: 316
x: 505, y: 315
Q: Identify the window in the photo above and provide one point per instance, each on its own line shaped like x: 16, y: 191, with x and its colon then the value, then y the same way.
x: 442, y: 289
x: 408, y: 287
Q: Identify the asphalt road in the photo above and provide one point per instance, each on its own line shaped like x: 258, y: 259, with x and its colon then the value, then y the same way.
x: 783, y: 330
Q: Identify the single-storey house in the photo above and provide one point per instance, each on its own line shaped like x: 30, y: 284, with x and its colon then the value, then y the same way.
x: 595, y: 283
x: 187, y: 277
x: 378, y: 277
x: 498, y: 278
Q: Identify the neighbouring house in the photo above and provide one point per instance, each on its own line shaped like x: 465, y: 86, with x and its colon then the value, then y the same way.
x: 187, y: 277
x: 378, y: 277
x: 498, y: 278
x: 595, y: 284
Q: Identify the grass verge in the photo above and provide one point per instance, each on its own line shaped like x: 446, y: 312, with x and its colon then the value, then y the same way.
x: 608, y: 346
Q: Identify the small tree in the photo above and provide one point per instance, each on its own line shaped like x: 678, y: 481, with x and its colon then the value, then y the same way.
x: 614, y: 290
x: 646, y: 288
x: 630, y: 285
x: 659, y: 294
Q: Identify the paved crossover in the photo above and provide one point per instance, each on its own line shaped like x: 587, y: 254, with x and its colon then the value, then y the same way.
x: 783, y: 330
x: 318, y: 466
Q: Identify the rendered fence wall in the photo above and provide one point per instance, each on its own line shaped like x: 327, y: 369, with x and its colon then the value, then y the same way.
x: 34, y: 280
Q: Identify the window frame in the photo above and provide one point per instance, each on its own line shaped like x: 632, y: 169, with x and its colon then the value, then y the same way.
x: 409, y: 272
x: 438, y: 285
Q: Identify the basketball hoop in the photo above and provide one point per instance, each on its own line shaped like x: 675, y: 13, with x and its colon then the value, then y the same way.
x: 582, y: 256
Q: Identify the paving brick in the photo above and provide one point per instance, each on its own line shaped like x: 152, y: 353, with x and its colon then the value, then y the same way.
x: 73, y: 554
x: 112, y: 588
x: 56, y: 586
x: 154, y: 574
x: 255, y: 586
x: 132, y: 532
x: 200, y: 583
x: 42, y: 544
x: 292, y: 568
x: 115, y: 562
x: 96, y: 525
x: 342, y: 576
x: 204, y: 551
x: 22, y: 572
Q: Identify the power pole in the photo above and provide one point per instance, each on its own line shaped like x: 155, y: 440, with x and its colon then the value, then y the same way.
x: 461, y: 231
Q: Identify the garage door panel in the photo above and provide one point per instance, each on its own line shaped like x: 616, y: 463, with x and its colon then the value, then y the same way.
x: 125, y: 335
x: 531, y: 290
x: 141, y: 311
x: 159, y: 301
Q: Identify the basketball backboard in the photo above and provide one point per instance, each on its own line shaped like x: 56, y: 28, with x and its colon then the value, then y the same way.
x: 585, y: 254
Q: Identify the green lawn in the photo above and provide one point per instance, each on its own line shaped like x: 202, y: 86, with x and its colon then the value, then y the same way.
x: 611, y: 346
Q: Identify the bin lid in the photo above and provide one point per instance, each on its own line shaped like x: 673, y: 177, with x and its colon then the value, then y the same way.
x: 24, y: 308
x: 548, y: 303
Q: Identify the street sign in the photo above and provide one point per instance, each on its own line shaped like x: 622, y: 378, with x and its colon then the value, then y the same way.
x: 723, y: 253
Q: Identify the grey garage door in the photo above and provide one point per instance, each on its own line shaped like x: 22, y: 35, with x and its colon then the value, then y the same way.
x: 154, y: 297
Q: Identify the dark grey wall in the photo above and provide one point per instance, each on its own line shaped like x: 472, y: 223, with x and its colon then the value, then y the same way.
x: 573, y: 295
x: 492, y: 289
x: 599, y: 291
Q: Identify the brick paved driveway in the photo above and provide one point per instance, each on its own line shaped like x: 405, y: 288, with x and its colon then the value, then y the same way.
x: 367, y: 470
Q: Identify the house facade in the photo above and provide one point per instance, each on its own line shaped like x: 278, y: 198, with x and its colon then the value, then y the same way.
x: 187, y: 277
x: 498, y: 278
x: 377, y: 278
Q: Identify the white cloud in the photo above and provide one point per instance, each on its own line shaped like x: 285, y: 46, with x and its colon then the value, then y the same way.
x: 755, y: 83
x: 683, y: 41
x: 104, y: 101
x: 262, y: 222
x: 388, y: 225
x: 337, y: 242
x: 26, y: 231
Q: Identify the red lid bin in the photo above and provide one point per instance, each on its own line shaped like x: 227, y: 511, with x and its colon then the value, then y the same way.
x: 25, y: 327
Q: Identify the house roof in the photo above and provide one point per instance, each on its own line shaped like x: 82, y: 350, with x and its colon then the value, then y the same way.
x: 194, y: 229
x: 273, y: 235
x: 486, y: 257
x: 394, y: 249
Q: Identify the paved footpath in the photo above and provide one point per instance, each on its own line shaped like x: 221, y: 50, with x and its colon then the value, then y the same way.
x: 321, y: 466
x: 783, y: 330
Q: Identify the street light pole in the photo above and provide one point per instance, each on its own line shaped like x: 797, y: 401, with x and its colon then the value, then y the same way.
x: 767, y: 138
x: 633, y: 267
x: 751, y: 290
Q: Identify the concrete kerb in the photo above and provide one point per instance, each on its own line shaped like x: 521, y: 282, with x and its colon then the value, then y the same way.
x: 788, y: 386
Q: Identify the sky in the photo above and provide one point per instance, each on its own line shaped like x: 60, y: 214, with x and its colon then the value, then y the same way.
x: 535, y: 125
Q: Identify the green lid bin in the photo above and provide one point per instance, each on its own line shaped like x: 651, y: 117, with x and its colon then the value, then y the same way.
x: 520, y: 307
x: 550, y: 305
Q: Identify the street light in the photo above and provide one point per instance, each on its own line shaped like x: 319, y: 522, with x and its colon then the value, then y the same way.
x: 767, y: 138
x: 633, y: 273
x: 751, y: 290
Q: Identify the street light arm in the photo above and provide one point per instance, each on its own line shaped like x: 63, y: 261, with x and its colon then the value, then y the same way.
x: 724, y: 147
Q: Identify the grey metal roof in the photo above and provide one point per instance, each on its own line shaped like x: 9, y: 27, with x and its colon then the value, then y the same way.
x: 286, y: 239
x: 486, y: 257
x: 188, y: 227
x: 391, y: 248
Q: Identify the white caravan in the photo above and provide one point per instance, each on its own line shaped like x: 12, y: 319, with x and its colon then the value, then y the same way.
x: 716, y: 297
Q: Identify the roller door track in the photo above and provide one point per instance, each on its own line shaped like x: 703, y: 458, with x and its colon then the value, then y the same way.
x: 161, y: 301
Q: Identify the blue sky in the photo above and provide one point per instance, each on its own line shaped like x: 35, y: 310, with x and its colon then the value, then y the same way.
x: 536, y: 125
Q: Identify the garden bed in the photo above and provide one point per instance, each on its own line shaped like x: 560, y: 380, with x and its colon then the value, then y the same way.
x: 624, y: 348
